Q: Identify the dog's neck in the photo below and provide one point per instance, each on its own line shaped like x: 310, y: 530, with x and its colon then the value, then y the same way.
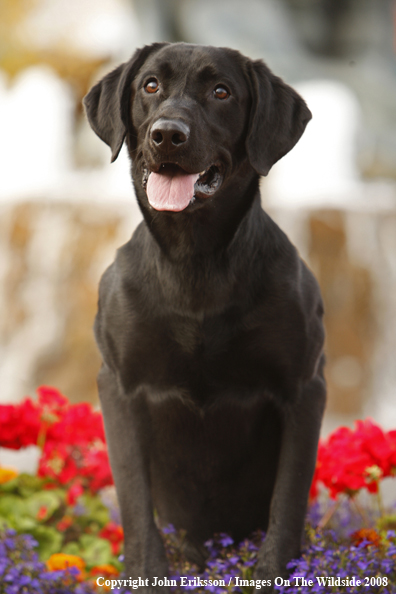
x: 207, y: 232
x: 200, y: 283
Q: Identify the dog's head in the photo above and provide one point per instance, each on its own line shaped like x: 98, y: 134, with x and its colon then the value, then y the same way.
x: 191, y: 115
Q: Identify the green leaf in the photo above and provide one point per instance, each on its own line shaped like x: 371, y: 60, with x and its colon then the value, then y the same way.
x: 386, y: 522
x: 29, y: 484
x: 96, y: 511
x: 49, y: 539
x: 72, y: 548
x: 10, y: 486
x: 12, y: 505
x: 95, y: 550
x: 23, y: 484
x: 23, y: 524
x: 4, y: 524
x: 51, y: 500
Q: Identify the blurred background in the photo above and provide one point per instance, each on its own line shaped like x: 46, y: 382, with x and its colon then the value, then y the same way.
x: 64, y: 209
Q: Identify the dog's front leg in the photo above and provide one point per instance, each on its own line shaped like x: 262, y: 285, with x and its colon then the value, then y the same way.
x: 300, y: 436
x: 127, y: 438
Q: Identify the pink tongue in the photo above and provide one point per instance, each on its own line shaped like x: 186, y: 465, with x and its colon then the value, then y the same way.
x: 167, y: 191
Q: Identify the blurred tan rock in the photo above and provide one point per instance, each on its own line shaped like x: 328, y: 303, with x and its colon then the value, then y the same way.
x: 347, y: 290
x: 51, y: 260
x: 352, y: 251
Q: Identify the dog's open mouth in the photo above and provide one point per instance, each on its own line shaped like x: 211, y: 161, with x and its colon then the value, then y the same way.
x: 173, y: 189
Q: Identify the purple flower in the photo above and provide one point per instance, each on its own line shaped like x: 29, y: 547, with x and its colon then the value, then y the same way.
x: 169, y: 529
x: 225, y: 540
x: 22, y: 572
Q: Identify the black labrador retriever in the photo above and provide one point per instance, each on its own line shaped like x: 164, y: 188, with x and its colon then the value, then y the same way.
x: 209, y: 324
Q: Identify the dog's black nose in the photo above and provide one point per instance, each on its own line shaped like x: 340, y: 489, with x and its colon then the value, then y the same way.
x: 168, y: 134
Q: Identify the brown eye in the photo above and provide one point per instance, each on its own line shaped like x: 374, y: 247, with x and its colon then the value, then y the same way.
x: 221, y: 92
x: 151, y: 86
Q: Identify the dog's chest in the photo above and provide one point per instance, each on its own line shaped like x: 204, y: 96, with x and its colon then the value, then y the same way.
x: 203, y: 359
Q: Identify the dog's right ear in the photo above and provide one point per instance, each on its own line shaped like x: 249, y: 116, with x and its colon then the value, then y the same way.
x: 107, y: 104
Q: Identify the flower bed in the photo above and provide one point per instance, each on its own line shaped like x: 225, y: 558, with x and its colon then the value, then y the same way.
x: 60, y: 529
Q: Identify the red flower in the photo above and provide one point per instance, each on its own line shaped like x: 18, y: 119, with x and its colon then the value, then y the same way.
x: 79, y: 424
x: 354, y: 459
x: 97, y: 468
x: 65, y: 463
x: 57, y: 462
x: 343, y: 463
x: 392, y: 443
x: 19, y: 425
x: 114, y: 534
x: 42, y: 513
x: 376, y: 443
x: 50, y: 399
x: 52, y: 405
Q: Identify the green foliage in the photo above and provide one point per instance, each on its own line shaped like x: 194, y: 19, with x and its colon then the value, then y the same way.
x: 23, y: 484
x: 386, y: 522
x: 28, y: 506
x: 93, y: 549
x: 49, y: 540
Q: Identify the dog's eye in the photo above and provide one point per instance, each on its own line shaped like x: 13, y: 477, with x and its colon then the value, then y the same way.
x: 221, y: 92
x: 151, y: 85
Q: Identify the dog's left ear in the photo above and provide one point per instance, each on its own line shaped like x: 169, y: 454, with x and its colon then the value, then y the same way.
x: 107, y: 104
x: 278, y: 118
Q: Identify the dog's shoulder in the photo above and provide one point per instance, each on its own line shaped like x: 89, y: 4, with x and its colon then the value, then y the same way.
x: 119, y: 287
x: 287, y: 308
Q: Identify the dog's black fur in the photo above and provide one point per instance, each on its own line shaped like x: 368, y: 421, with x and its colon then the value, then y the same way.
x: 209, y: 324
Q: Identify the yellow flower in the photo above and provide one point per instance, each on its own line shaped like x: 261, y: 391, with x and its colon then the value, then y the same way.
x: 7, y: 474
x: 63, y: 561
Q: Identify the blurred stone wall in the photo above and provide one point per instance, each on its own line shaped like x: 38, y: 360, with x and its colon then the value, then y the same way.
x: 51, y: 258
x: 347, y: 288
x: 353, y: 255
